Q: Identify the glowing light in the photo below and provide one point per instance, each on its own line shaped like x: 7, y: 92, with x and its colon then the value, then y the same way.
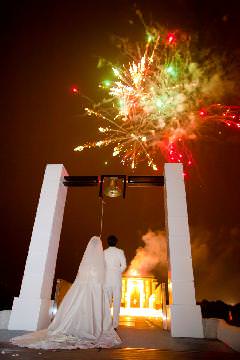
x: 79, y: 148
x: 134, y: 272
x: 170, y: 70
x: 141, y: 296
x: 106, y: 83
x: 74, y: 90
x: 116, y: 72
x: 150, y: 37
x: 103, y: 130
x: 116, y: 151
x: 171, y: 38
x: 142, y: 312
x: 157, y: 103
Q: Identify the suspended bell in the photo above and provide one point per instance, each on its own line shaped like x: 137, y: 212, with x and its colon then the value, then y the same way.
x: 113, y: 189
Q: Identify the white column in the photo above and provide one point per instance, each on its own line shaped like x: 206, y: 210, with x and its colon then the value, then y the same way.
x: 185, y: 315
x: 31, y: 309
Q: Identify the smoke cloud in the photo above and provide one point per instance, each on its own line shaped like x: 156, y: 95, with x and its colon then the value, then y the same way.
x: 152, y: 257
x: 215, y: 254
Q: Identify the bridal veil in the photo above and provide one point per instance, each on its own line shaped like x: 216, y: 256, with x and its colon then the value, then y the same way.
x: 83, y: 319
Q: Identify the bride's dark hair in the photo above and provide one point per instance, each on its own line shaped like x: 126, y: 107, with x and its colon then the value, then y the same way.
x: 112, y: 240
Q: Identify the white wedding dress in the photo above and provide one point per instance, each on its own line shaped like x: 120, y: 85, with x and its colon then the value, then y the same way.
x: 83, y: 319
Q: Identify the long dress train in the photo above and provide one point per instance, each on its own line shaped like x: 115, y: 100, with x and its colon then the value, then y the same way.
x: 83, y: 319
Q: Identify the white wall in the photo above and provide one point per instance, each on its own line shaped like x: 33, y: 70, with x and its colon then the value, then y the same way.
x: 219, y: 329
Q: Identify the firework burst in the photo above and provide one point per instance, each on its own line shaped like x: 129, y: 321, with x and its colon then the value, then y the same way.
x: 159, y: 102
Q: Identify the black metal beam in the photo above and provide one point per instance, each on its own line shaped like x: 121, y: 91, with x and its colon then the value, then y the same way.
x: 145, y: 181
x: 132, y: 181
x: 80, y: 181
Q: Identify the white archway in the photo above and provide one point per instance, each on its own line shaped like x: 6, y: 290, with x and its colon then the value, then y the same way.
x: 30, y: 310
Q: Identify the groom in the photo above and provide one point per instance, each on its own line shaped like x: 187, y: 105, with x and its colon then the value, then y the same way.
x: 115, y: 262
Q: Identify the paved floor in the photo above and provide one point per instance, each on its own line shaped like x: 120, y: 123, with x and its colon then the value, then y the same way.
x: 142, y: 339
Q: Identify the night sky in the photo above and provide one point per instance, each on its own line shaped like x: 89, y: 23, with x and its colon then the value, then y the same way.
x: 48, y: 47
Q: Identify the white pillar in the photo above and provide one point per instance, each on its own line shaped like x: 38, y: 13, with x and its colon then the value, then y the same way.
x: 185, y: 315
x: 31, y: 309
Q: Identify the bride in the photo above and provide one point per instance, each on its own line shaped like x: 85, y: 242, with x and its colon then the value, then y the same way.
x: 83, y: 319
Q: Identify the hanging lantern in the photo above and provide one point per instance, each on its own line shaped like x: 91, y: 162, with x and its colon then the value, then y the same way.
x: 113, y: 188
